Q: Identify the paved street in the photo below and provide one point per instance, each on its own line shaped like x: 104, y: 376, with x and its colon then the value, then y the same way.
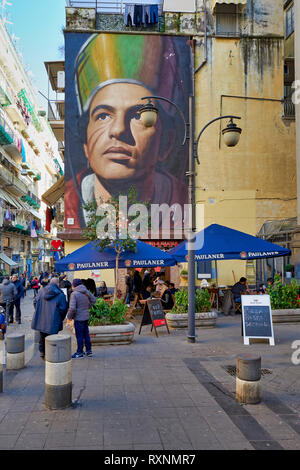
x: 157, y: 394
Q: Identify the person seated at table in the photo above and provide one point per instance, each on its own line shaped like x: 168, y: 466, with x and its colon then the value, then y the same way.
x: 146, y: 292
x: 240, y: 288
x: 102, y: 290
x: 262, y: 289
x: 158, y: 283
x: 173, y: 289
x: 90, y: 285
x: 166, y: 298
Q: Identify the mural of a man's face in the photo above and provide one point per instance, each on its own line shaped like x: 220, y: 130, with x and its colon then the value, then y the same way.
x: 118, y: 145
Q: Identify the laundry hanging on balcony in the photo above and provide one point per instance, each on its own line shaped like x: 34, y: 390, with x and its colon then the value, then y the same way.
x: 138, y: 15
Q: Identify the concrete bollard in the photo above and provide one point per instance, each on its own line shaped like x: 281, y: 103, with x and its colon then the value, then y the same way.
x: 248, y: 374
x: 15, y: 351
x: 58, y: 373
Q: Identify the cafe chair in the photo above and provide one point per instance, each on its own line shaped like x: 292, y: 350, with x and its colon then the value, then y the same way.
x: 228, y: 304
x: 238, y: 307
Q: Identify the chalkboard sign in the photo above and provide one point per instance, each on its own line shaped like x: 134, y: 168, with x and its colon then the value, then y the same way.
x: 257, y: 318
x: 154, y: 315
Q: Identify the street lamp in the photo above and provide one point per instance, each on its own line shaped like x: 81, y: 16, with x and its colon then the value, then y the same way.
x: 231, y: 135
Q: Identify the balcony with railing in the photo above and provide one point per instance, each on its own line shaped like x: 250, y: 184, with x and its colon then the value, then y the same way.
x: 56, y: 117
x: 6, y: 131
x: 10, y: 180
x: 289, y: 110
x: 111, y: 6
x: 6, y: 91
x: 100, y: 6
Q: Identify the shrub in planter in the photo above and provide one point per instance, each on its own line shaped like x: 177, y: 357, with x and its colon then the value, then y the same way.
x: 283, y: 296
x: 102, y: 313
x: 204, y: 317
x: 202, y: 301
x: 184, y: 274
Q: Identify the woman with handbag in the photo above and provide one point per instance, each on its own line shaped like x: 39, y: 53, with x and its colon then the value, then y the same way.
x: 81, y: 300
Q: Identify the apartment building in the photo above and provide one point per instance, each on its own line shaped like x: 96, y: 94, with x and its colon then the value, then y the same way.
x: 30, y: 163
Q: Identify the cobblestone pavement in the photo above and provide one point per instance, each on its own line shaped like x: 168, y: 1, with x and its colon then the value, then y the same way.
x: 157, y: 394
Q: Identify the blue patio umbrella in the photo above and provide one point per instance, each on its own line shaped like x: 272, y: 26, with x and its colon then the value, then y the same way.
x: 217, y: 242
x: 90, y: 257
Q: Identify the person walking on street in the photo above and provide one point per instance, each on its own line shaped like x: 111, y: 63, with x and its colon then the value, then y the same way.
x: 137, y: 288
x: 19, y: 296
x: 35, y: 286
x: 81, y: 301
x: 50, y: 312
x: 8, y: 292
x: 23, y: 281
x: 129, y: 287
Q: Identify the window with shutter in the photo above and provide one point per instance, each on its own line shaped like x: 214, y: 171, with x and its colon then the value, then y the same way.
x: 227, y: 20
x: 289, y: 21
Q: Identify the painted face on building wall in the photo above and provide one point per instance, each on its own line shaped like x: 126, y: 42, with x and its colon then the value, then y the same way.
x: 119, y: 146
x: 113, y: 151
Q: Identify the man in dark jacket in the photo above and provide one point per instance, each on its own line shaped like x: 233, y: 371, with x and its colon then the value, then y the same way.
x: 240, y: 288
x: 50, y: 312
x: 19, y: 296
x: 8, y: 293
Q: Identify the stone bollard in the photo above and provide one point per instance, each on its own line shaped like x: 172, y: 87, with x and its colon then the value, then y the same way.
x: 15, y: 351
x: 58, y: 373
x: 248, y: 374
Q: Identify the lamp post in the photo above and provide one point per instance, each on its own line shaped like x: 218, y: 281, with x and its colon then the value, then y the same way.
x: 231, y: 135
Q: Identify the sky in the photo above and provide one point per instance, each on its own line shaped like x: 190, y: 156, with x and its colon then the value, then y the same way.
x: 38, y: 24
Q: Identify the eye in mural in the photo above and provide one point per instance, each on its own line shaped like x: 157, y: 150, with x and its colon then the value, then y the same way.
x: 108, y: 149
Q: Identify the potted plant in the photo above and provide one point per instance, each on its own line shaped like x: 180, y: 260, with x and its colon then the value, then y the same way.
x: 184, y: 274
x: 204, y: 317
x: 289, y: 268
x: 108, y: 325
x: 285, y: 301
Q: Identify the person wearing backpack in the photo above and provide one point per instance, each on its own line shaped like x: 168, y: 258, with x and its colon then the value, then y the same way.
x: 35, y: 286
x: 81, y: 300
x: 8, y: 293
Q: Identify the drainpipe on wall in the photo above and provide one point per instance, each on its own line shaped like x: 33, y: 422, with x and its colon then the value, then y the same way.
x: 205, y: 38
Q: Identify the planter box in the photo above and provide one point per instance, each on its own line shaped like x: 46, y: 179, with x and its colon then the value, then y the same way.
x: 112, y: 334
x: 202, y: 320
x: 286, y: 315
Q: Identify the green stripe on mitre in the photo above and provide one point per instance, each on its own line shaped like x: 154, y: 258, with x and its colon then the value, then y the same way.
x: 130, y: 50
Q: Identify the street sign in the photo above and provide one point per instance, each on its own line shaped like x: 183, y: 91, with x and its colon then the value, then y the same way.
x: 257, y: 318
x: 154, y: 315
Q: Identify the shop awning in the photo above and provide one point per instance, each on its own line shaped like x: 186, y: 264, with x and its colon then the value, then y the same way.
x: 10, y: 199
x: 241, y: 3
x: 53, y: 194
x: 7, y: 260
